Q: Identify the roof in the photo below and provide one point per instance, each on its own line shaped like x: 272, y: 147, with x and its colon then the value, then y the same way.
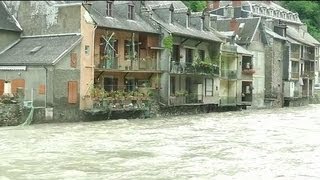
x: 39, y: 50
x: 309, y: 38
x: 294, y: 34
x: 177, y: 29
x: 273, y: 34
x: 242, y: 50
x: 119, y: 19
x: 247, y: 32
x: 177, y: 5
x: 7, y: 21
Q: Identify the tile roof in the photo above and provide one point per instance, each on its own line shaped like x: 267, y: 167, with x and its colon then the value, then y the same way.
x: 119, y: 19
x: 248, y: 31
x: 294, y: 34
x: 7, y: 21
x: 177, y: 29
x: 38, y: 50
x: 273, y: 34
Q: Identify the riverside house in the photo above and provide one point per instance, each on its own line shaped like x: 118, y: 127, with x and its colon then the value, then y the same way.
x: 190, y: 59
x: 126, y: 57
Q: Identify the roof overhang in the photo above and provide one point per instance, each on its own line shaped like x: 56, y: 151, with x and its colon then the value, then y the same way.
x: 13, y: 68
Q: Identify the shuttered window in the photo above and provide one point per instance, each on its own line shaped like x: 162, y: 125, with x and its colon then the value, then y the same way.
x: 15, y: 84
x: 42, y: 89
x: 72, y: 92
x: 1, y: 87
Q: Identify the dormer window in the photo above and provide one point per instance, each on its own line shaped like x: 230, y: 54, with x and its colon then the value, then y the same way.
x: 188, y: 19
x: 171, y: 9
x: 109, y: 9
x: 130, y: 12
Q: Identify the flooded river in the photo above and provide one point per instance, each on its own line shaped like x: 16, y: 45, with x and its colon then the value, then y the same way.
x: 264, y: 144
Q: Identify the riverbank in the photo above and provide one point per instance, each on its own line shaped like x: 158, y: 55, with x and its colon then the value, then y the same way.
x: 15, y: 113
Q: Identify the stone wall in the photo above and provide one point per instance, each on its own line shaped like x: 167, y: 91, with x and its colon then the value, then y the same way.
x: 10, y: 114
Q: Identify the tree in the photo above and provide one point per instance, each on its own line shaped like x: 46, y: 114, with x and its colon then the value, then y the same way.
x: 195, y: 6
x: 308, y: 13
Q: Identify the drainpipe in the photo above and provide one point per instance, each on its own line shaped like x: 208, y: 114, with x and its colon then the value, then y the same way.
x: 45, y: 86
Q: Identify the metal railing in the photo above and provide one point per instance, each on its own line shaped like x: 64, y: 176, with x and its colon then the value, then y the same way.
x: 181, y: 67
x: 228, y: 100
x: 141, y: 64
x: 229, y: 74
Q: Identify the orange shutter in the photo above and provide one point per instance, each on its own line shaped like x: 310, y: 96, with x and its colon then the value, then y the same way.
x: 73, y: 60
x: 72, y: 92
x: 42, y: 89
x: 1, y: 87
x: 15, y: 84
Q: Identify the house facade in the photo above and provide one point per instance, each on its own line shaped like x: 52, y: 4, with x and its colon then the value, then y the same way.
x: 190, y: 56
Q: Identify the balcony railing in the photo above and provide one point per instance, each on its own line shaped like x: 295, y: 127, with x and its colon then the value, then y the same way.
x: 227, y: 100
x: 229, y: 74
x: 185, y: 99
x: 295, y: 55
x: 248, y: 71
x: 294, y: 74
x: 109, y: 63
x: 132, y: 65
x: 208, y: 69
x: 308, y: 56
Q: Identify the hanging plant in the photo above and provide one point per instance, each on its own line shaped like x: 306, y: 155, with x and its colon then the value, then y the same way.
x: 168, y: 42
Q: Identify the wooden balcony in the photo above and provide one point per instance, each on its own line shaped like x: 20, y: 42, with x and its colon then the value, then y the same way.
x: 141, y: 64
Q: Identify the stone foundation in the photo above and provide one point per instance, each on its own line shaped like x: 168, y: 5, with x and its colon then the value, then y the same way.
x: 10, y: 114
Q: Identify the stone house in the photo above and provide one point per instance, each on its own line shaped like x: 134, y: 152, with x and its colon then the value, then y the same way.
x: 190, y: 65
x: 236, y: 71
x: 47, y: 69
x: 126, y: 55
x: 250, y: 36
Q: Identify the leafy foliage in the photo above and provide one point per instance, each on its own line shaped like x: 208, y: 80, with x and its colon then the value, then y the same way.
x: 308, y: 13
x: 195, y: 6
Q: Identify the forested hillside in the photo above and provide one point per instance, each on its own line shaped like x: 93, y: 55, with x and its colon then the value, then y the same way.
x: 309, y: 12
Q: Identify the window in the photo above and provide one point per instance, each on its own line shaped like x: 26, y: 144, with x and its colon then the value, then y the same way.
x: 1, y: 87
x: 172, y: 86
x: 109, y: 9
x: 175, y: 53
x: 72, y: 92
x: 110, y: 84
x: 209, y: 87
x: 73, y: 60
x: 130, y: 49
x: 87, y: 49
x: 201, y: 54
x: 189, y: 56
x: 131, y: 12
x: 17, y: 83
x: 108, y: 53
x: 130, y: 85
x: 42, y: 89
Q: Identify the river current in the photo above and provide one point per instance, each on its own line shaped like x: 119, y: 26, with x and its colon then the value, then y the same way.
x: 251, y: 144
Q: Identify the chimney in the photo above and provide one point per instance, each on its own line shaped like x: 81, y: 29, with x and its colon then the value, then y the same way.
x: 233, y: 25
x: 236, y: 4
x: 212, y: 5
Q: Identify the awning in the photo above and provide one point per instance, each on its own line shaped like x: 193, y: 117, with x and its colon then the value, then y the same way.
x: 13, y: 68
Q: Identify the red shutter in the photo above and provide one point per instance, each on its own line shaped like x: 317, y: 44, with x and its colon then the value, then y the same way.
x: 42, y: 89
x: 72, y: 92
x: 73, y: 60
x: 15, y: 84
x: 1, y: 87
